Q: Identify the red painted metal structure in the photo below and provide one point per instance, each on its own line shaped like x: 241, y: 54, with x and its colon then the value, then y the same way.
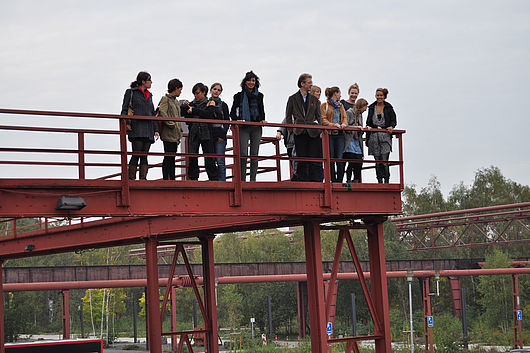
x: 153, y: 211
x: 503, y: 224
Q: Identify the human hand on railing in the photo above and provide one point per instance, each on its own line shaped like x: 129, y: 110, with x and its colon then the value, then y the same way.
x: 343, y: 125
x: 264, y: 121
x: 210, y: 104
x: 278, y: 135
x: 157, y: 135
x: 128, y: 127
x: 389, y: 129
x: 337, y: 125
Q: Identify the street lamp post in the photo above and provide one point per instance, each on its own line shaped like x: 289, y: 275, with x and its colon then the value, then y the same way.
x: 410, y: 277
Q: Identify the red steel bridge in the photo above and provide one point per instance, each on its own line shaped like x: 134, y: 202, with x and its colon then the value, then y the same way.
x: 47, y: 156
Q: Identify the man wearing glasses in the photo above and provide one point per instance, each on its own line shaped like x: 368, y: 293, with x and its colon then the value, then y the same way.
x: 200, y: 134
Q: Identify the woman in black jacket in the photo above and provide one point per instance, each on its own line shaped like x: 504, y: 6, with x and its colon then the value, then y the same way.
x: 381, y: 115
x: 219, y: 130
x: 139, y: 101
x: 248, y: 106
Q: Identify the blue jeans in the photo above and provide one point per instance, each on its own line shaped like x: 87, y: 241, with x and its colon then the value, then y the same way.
x: 336, y: 149
x: 220, y: 148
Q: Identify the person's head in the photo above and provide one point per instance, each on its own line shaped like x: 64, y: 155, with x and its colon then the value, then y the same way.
x: 305, y: 81
x: 216, y: 89
x: 360, y: 106
x: 353, y: 92
x: 316, y: 91
x: 199, y: 91
x: 143, y: 80
x: 174, y: 87
x: 250, y: 81
x: 381, y: 94
x: 333, y: 93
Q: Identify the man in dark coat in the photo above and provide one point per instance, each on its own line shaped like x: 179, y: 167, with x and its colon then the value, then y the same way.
x: 200, y: 134
x: 304, y: 108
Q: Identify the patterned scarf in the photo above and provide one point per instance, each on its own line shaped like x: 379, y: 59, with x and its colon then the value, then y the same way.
x: 249, y: 105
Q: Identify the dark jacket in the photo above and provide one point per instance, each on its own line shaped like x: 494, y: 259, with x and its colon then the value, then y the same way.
x: 388, y: 112
x: 235, y: 112
x: 296, y: 113
x: 199, y: 111
x: 143, y: 107
x: 221, y: 113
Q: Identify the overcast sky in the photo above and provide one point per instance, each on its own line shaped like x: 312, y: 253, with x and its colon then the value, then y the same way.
x: 457, y: 71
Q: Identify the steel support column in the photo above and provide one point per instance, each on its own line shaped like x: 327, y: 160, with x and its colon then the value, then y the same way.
x: 154, y: 334
x: 66, y: 314
x: 315, y: 286
x: 208, y: 270
x: 301, y: 296
x: 427, y: 330
x: 2, y: 338
x: 173, y: 318
x: 517, y: 327
x: 376, y: 252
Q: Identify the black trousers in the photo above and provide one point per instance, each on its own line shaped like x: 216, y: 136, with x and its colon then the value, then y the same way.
x: 140, y: 144
x: 354, y: 167
x: 382, y: 171
x: 307, y: 146
x: 207, y: 147
x: 168, y: 164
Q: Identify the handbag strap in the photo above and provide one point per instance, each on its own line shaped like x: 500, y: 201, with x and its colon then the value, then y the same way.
x: 130, y: 100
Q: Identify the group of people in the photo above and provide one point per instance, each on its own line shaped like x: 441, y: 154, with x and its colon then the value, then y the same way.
x: 303, y: 108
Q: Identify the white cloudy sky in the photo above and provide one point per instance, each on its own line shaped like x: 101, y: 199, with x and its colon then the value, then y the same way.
x: 457, y: 71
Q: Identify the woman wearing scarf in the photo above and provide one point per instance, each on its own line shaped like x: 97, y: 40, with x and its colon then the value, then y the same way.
x: 248, y: 106
x: 381, y: 115
x: 333, y: 114
x: 219, y: 130
x: 354, y: 141
x: 139, y: 101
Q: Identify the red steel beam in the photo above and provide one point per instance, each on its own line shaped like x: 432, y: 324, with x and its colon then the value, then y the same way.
x: 38, y: 198
x: 427, y: 331
x: 152, y: 298
x: 517, y: 327
x: 210, y: 321
x: 2, y: 337
x: 66, y: 314
x: 14, y: 287
x: 315, y: 285
x: 378, y: 281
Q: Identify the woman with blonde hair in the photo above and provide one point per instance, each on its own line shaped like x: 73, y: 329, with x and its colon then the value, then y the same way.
x: 381, y: 115
x: 316, y: 91
x: 354, y: 141
x: 353, y: 92
x: 333, y: 114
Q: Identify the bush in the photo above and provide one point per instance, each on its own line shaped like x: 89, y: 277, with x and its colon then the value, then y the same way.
x: 447, y: 333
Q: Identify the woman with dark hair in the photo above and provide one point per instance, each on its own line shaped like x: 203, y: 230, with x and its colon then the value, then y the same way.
x: 381, y: 115
x: 354, y: 141
x: 333, y: 114
x: 139, y: 101
x: 248, y: 106
x: 219, y: 130
x: 171, y: 130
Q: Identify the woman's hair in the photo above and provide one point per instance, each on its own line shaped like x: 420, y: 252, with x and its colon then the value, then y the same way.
x: 355, y: 85
x: 315, y: 89
x: 173, y: 85
x: 359, y: 104
x: 201, y: 87
x: 382, y: 90
x: 331, y: 91
x: 142, y: 76
x: 216, y: 84
x: 248, y: 76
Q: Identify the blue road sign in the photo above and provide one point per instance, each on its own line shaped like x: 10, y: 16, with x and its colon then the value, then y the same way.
x: 520, y: 315
x: 329, y: 328
x: 430, y: 321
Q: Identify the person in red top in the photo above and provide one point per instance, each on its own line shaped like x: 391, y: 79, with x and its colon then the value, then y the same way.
x: 141, y: 133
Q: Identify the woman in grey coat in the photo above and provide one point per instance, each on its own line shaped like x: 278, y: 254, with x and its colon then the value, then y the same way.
x: 354, y: 141
x: 137, y: 100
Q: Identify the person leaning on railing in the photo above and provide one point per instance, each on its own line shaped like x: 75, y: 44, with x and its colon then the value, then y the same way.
x: 381, y: 115
x: 137, y: 100
x: 333, y: 114
x: 354, y: 141
x: 219, y: 130
x: 171, y: 132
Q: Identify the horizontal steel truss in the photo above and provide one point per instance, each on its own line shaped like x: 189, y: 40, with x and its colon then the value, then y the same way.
x: 508, y: 224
